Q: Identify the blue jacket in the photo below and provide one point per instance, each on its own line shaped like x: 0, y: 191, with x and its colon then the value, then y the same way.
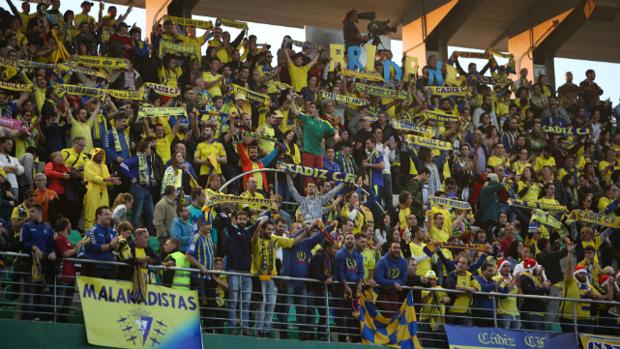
x: 350, y: 266
x: 129, y: 168
x: 484, y: 302
x: 110, y: 149
x: 99, y: 235
x: 296, y: 260
x: 389, y: 270
x: 37, y: 234
x: 182, y: 232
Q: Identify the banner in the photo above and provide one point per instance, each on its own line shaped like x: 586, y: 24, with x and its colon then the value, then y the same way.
x: 595, y: 341
x: 258, y: 136
x: 399, y: 331
x: 161, y: 90
x: 354, y: 101
x: 593, y: 218
x: 126, y: 94
x: 469, y: 337
x: 146, y: 112
x: 231, y: 23
x: 438, y: 116
x: 404, y: 125
x: 473, y: 247
x: 25, y: 64
x: 100, y: 62
x: 13, y: 86
x: 545, y: 218
x: 380, y: 91
x: 537, y: 205
x: 77, y: 90
x: 169, y: 319
x: 252, y: 95
x: 459, y: 205
x: 445, y: 91
x: 72, y: 68
x: 581, y: 131
x: 219, y: 199
x: 362, y: 75
x: 188, y: 22
x: 469, y: 54
x: 429, y: 142
x: 171, y: 47
x: 318, y: 173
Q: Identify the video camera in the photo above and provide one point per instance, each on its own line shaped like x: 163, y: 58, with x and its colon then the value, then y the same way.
x: 376, y: 28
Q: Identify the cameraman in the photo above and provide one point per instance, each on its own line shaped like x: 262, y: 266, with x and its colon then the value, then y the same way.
x: 352, y: 35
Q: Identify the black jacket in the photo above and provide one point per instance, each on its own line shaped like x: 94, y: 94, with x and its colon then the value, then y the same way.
x: 530, y: 288
x: 321, y: 268
x: 551, y: 262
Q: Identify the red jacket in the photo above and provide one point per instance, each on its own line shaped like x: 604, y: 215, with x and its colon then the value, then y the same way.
x: 247, y: 165
x: 56, y: 176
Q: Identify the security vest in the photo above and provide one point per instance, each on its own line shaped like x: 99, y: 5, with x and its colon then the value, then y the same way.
x: 181, y: 280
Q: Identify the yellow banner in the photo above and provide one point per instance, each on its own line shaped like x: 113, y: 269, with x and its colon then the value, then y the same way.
x: 171, y: 47
x: 235, y: 199
x: 594, y: 218
x: 405, y: 125
x: 253, y: 96
x: 429, y: 142
x: 77, y: 90
x: 379, y: 91
x: 169, y: 318
x: 100, y: 62
x: 126, y: 94
x: 545, y: 218
x: 582, y: 131
x: 459, y: 205
x: 160, y: 89
x: 362, y: 75
x: 82, y: 70
x: 12, y: 86
x: 354, y: 101
x: 231, y: 23
x: 336, y: 56
x: 439, y: 116
x: 146, y: 112
x: 595, y: 341
x: 188, y: 22
x: 538, y: 205
x: 447, y: 91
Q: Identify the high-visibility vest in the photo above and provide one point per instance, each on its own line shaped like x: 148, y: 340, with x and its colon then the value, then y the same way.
x: 181, y: 280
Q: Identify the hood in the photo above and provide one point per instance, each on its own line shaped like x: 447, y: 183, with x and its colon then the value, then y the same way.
x: 96, y: 151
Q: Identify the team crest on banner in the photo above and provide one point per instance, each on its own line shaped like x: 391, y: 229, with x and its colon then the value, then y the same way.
x: 169, y: 319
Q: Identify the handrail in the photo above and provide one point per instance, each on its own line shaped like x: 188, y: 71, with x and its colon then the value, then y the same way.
x: 289, y: 278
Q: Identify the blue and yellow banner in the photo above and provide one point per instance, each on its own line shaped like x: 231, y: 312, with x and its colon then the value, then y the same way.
x: 169, y: 319
x: 399, y: 331
x: 592, y: 341
x: 465, y: 337
x: 594, y: 218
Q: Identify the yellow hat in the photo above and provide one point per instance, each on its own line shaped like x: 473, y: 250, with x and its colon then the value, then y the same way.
x: 241, y: 97
x: 430, y: 275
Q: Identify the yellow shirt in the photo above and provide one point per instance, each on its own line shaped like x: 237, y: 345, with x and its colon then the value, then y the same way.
x: 163, y: 145
x: 73, y: 160
x: 215, y: 90
x: 264, y: 254
x: 533, y: 190
x: 266, y: 146
x: 83, y: 129
x: 299, y: 76
x: 220, y: 51
x: 257, y: 195
x: 209, y: 151
x: 571, y: 290
x: 169, y: 77
x: 432, y: 310
x: 440, y: 235
x: 370, y: 261
x: 494, y: 161
x: 463, y: 301
x: 81, y: 17
x: 402, y: 217
x: 418, y: 251
x: 542, y: 162
x: 507, y: 305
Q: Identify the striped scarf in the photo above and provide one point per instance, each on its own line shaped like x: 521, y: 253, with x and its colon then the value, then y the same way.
x: 145, y: 171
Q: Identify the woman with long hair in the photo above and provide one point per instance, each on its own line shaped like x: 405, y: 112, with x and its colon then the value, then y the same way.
x: 121, y: 206
x: 292, y: 149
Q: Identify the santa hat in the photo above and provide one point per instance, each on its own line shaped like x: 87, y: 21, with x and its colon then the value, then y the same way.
x: 501, y: 262
x: 603, y: 280
x: 529, y: 264
x: 580, y: 269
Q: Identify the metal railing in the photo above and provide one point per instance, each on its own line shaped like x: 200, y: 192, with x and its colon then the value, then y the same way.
x: 321, y: 313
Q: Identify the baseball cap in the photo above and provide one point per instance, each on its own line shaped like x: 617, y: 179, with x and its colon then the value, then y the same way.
x: 86, y: 3
x: 307, y: 44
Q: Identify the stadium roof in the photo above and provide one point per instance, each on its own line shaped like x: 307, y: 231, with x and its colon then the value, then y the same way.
x: 488, y: 24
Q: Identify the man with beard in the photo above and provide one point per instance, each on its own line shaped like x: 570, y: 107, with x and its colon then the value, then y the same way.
x: 486, y: 107
x: 101, y: 241
x: 116, y: 142
x: 391, y: 275
x: 350, y: 266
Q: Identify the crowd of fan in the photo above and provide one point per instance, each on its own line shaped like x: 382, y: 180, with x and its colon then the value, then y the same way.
x: 92, y: 165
